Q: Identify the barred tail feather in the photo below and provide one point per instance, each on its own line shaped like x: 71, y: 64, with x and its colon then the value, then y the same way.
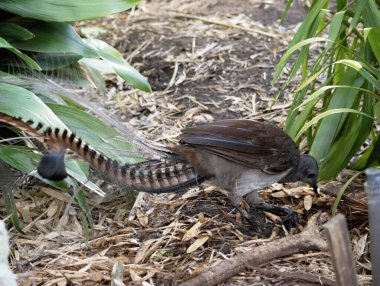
x: 152, y: 176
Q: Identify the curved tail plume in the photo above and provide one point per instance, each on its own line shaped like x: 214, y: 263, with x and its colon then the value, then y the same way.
x: 152, y: 176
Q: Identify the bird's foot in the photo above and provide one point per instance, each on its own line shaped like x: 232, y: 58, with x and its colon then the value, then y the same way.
x: 288, y: 217
x: 258, y: 223
x: 257, y: 219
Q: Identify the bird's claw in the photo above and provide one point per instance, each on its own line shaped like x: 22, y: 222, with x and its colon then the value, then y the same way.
x: 288, y: 217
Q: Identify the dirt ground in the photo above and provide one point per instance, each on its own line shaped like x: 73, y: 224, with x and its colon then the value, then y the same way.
x: 205, y: 60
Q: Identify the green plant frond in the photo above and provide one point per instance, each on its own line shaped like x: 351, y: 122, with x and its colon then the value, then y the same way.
x: 30, y: 62
x: 306, y: 25
x: 11, y: 31
x: 298, y: 120
x: 55, y: 61
x: 288, y: 5
x: 329, y: 113
x: 348, y: 142
x: 361, y: 69
x: 357, y: 12
x: 115, y: 60
x: 312, y: 78
x: 53, y: 37
x: 341, y: 193
x: 344, y: 77
x: 323, y: 89
x: 19, y: 102
x: 335, y: 27
x: 308, y: 29
x: 373, y: 38
x: 71, y: 10
x: 370, y: 157
x: 371, y: 14
x: 285, y: 58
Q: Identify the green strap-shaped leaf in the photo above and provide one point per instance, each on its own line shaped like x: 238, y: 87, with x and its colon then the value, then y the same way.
x: 65, y: 10
x: 120, y: 66
x: 53, y: 37
x: 12, y: 31
x: 328, y: 113
x: 19, y: 102
x: 359, y: 6
x: 371, y: 14
x: 335, y: 27
x: 341, y: 193
x: 285, y: 58
x: 323, y: 89
x: 361, y: 69
x: 31, y: 63
x: 329, y: 127
x: 374, y: 41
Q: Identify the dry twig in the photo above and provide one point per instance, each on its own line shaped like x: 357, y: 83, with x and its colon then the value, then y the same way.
x: 310, y: 277
x: 309, y: 239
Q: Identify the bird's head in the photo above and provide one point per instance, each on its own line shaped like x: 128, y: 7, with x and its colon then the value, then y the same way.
x: 307, y: 171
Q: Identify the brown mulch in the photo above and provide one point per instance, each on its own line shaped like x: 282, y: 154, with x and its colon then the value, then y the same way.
x: 205, y: 60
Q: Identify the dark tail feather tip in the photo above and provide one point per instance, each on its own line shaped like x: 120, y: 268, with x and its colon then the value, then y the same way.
x: 52, y: 166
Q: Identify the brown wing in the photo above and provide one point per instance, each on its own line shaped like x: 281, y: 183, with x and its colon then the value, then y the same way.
x: 257, y: 145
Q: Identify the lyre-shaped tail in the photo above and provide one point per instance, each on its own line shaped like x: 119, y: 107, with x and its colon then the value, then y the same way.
x: 151, y: 176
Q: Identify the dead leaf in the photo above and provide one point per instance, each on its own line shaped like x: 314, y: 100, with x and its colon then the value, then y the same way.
x: 192, y: 232
x: 96, y: 276
x: 56, y: 194
x: 142, y: 217
x: 201, y: 217
x: 238, y: 218
x: 360, y: 246
x: 140, y: 255
x: 134, y: 276
x: 308, y: 202
x: 280, y: 194
x: 198, y: 243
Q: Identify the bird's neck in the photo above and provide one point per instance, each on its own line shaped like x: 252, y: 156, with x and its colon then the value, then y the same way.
x: 291, y: 176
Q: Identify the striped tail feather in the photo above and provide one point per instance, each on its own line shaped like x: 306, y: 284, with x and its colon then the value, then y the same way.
x: 153, y: 176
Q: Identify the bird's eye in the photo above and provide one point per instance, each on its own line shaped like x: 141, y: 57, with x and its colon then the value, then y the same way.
x: 311, y: 176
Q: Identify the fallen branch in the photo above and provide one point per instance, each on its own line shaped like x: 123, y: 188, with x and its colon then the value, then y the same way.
x: 310, y: 277
x: 309, y: 239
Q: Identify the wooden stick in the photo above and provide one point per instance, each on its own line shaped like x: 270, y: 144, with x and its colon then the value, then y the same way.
x: 339, y: 243
x: 310, y: 277
x: 309, y: 239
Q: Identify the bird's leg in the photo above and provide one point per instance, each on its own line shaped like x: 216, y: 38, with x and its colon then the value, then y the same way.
x: 288, y: 216
x: 256, y: 218
x: 235, y: 201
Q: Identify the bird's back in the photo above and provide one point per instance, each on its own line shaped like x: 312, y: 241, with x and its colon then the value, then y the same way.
x: 252, y: 144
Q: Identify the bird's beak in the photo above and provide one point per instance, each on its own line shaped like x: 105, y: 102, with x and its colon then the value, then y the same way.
x: 315, y: 189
